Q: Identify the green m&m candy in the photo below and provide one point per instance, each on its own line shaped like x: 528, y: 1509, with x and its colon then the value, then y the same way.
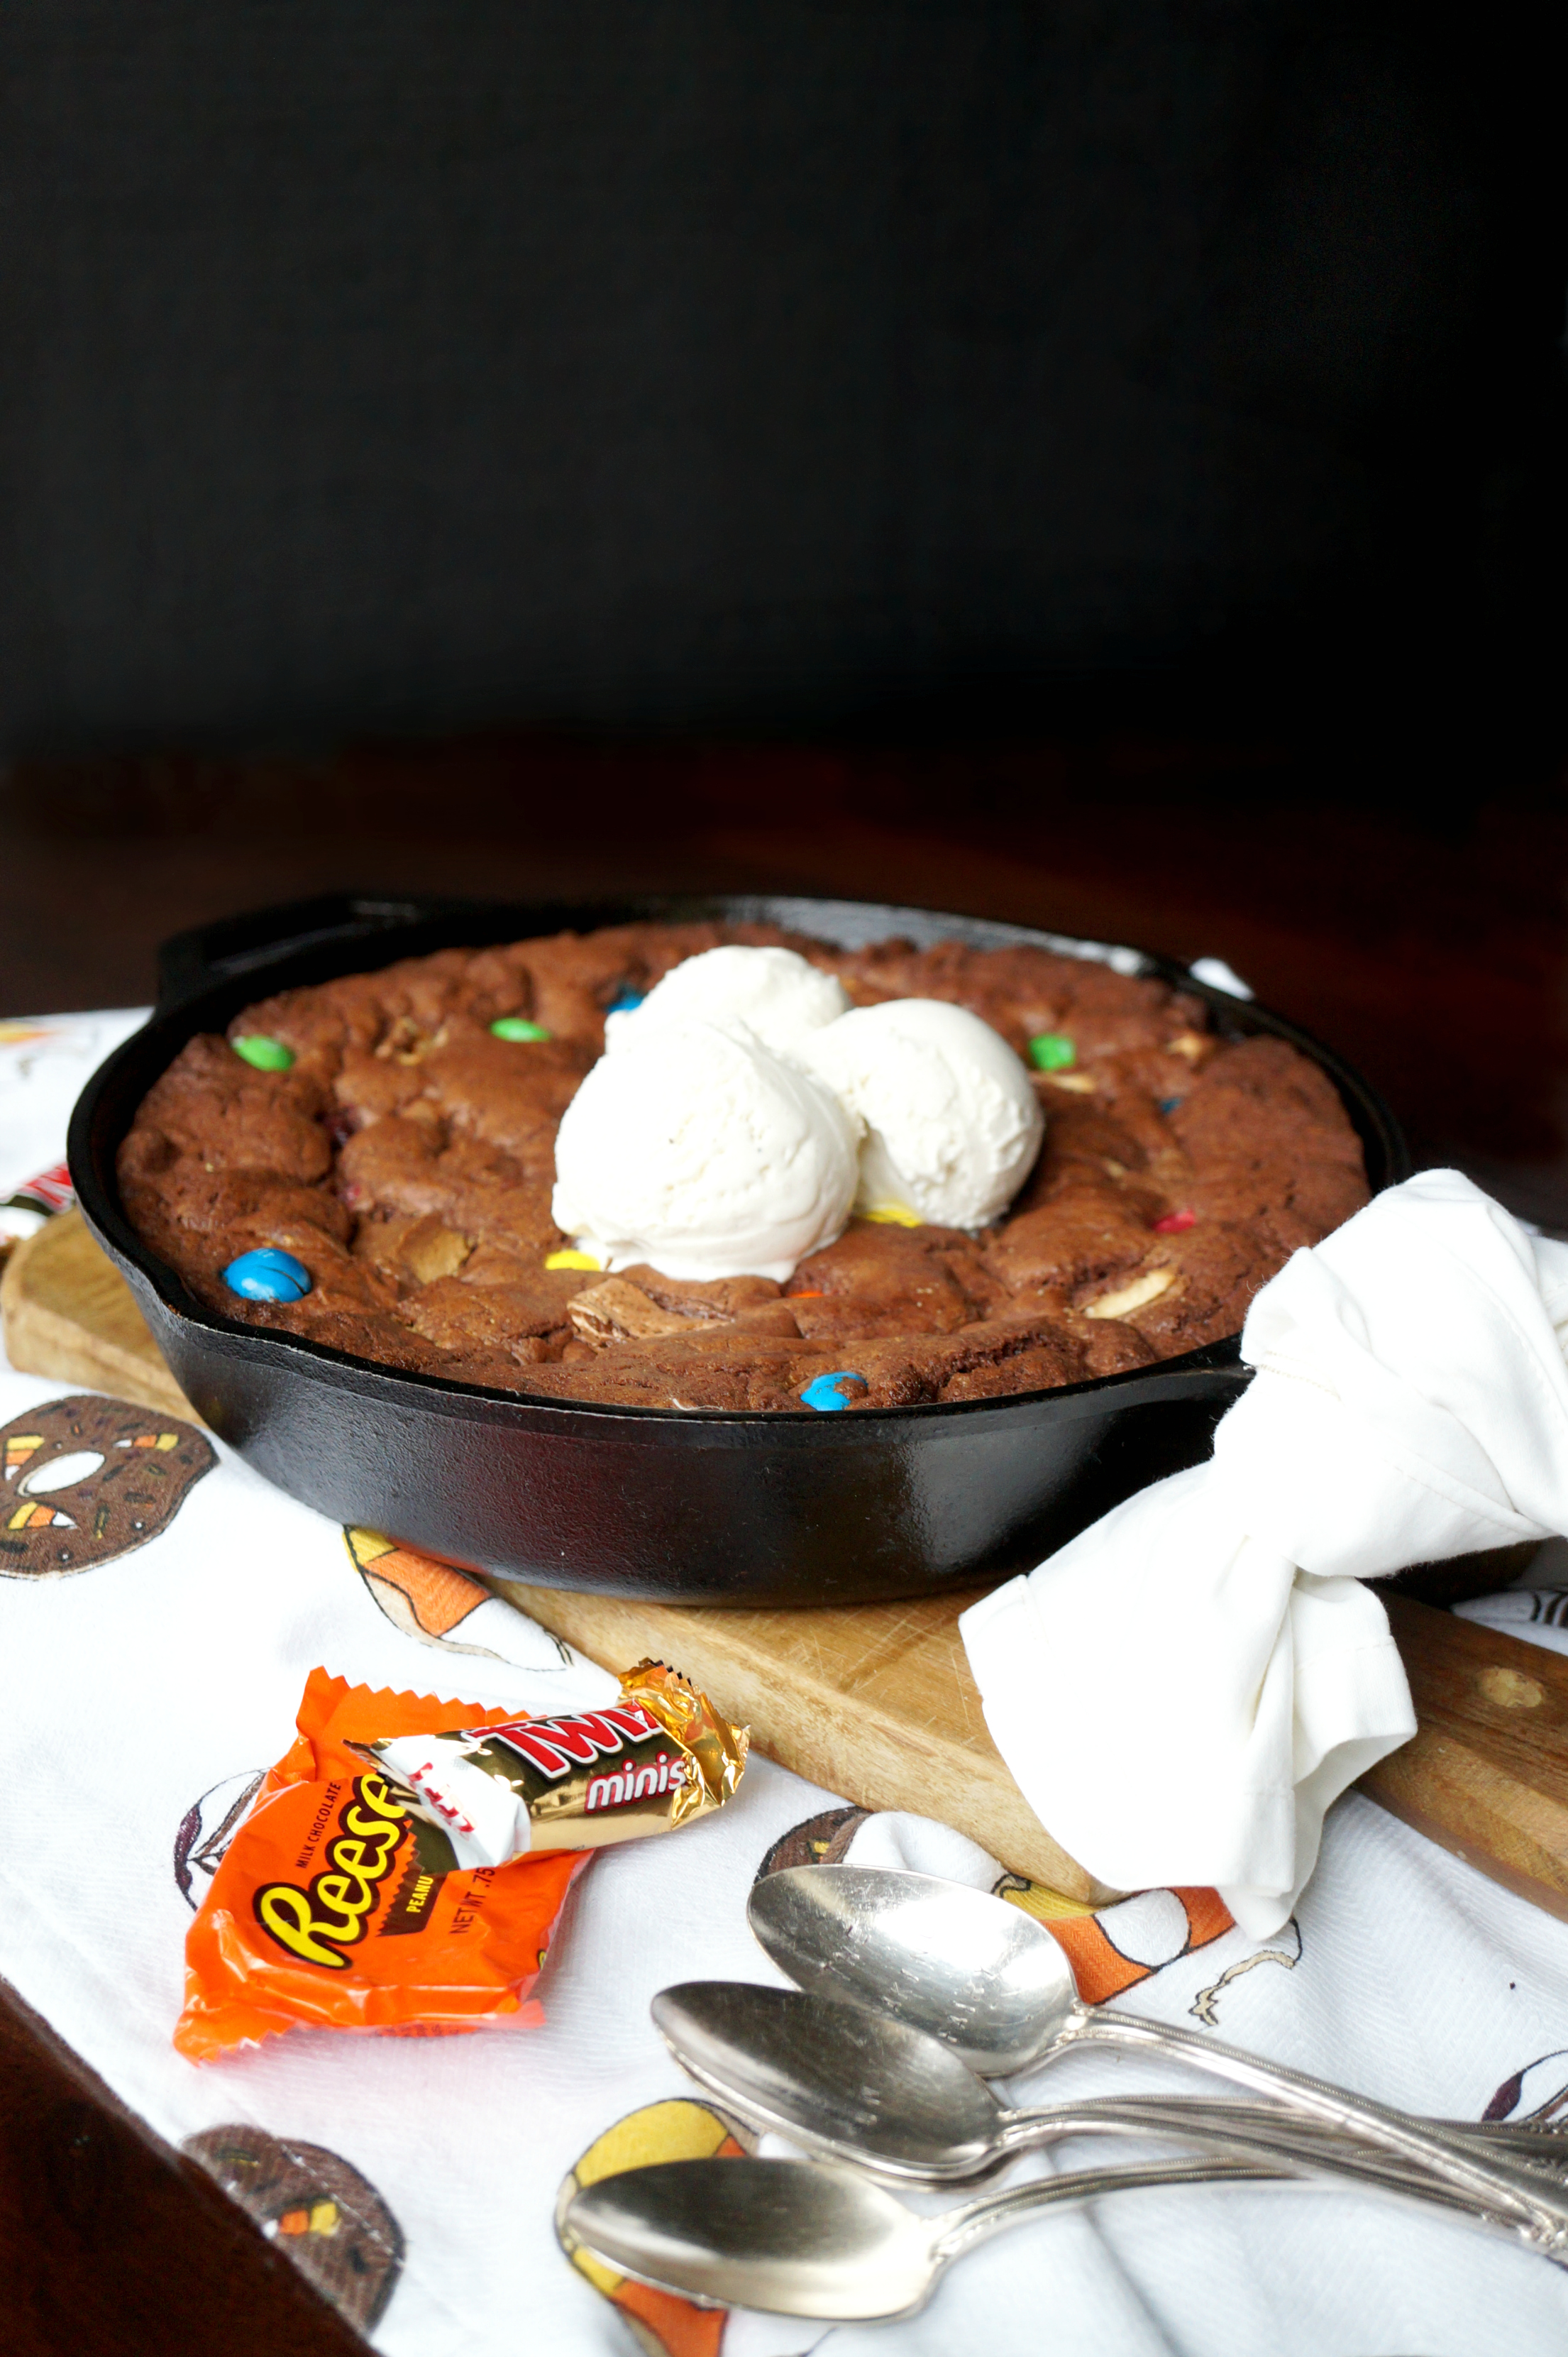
x: 267, y: 1055
x: 1052, y: 1051
x: 518, y: 1027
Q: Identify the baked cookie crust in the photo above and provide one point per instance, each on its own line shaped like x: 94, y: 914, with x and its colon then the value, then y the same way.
x: 406, y: 1155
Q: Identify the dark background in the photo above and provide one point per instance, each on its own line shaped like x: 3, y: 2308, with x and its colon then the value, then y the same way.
x: 895, y: 366
x: 1100, y: 463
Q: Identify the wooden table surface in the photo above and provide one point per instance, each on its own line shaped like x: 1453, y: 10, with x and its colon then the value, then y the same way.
x: 1419, y: 928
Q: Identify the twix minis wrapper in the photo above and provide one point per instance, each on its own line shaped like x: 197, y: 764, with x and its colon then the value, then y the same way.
x: 342, y: 1902
x: 643, y: 1765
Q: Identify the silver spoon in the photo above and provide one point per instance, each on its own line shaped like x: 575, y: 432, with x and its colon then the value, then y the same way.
x: 856, y: 2087
x: 992, y: 1984
x: 801, y: 2239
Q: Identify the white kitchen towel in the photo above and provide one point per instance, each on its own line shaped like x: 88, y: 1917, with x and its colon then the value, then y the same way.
x: 46, y: 1061
x: 1184, y: 1690
x: 145, y: 1682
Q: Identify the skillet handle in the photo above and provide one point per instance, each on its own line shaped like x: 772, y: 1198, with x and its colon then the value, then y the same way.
x: 188, y: 962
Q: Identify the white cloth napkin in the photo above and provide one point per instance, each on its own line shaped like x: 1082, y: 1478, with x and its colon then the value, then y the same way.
x: 1184, y: 1690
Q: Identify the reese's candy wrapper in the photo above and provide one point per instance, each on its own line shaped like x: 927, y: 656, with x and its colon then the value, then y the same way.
x: 644, y: 1765
x: 338, y: 1906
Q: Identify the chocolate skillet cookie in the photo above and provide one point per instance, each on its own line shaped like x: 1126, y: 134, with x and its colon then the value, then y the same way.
x: 391, y: 1138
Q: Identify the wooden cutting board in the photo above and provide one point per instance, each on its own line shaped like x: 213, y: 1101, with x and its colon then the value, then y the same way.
x: 876, y: 1701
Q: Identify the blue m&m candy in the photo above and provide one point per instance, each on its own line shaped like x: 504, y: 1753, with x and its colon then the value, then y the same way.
x: 267, y: 1276
x: 626, y: 1002
x: 829, y: 1394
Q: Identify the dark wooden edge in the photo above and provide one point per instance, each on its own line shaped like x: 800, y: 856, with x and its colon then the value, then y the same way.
x: 112, y: 2242
x: 1485, y: 1777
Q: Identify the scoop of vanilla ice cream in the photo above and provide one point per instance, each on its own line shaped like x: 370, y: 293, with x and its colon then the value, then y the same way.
x: 698, y: 1150
x: 952, y: 1125
x: 779, y: 995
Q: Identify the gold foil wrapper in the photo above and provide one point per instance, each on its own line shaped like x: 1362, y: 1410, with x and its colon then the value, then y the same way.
x: 649, y: 1762
x: 718, y: 1750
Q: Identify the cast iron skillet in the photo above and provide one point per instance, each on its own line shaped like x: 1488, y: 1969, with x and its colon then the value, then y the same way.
x: 711, y: 1507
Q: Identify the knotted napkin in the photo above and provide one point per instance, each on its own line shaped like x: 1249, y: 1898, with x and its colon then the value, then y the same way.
x: 1184, y: 1690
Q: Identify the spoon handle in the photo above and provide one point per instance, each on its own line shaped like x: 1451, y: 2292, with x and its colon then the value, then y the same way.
x: 958, y: 2231
x: 1256, y: 2132
x: 1491, y: 2182
x: 1545, y: 2148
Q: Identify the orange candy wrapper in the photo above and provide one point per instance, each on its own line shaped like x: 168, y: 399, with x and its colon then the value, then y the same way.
x: 338, y: 1906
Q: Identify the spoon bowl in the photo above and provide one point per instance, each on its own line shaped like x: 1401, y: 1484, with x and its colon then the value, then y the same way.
x: 844, y: 2082
x: 798, y: 2238
x: 862, y: 2090
x: 992, y: 1984
x: 803, y: 2239
x: 983, y: 1977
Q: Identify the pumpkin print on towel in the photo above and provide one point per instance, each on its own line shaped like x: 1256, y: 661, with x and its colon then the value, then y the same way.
x: 86, y: 1478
